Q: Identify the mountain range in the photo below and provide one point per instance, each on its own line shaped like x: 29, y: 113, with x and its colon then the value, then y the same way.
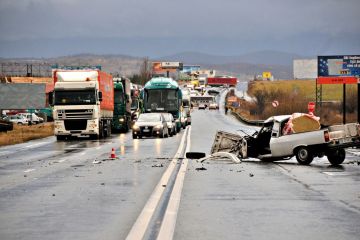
x: 243, y: 66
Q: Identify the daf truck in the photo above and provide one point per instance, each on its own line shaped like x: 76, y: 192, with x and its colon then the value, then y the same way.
x: 83, y: 102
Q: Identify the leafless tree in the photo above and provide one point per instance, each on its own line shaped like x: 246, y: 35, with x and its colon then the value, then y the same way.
x: 145, y: 71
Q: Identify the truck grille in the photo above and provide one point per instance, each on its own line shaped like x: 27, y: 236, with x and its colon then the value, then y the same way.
x: 75, y: 124
x: 75, y: 114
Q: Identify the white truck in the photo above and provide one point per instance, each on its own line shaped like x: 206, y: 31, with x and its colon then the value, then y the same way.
x: 270, y: 144
x: 83, y: 103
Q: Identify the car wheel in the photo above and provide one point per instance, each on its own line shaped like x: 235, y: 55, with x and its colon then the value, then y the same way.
x: 336, y: 157
x: 19, y: 123
x: 304, y: 156
x: 134, y: 136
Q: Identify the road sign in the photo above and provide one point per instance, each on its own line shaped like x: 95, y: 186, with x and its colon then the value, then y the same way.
x: 275, y: 104
x: 311, y: 107
x: 340, y: 65
x: 266, y: 75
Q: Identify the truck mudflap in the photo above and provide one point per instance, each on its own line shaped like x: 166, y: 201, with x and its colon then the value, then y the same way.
x: 229, y: 142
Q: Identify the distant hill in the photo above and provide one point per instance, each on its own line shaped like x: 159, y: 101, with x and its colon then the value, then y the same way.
x: 122, y: 64
x: 244, y: 66
x: 260, y: 57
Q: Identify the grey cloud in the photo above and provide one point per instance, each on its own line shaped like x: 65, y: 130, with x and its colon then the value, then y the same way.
x: 255, y: 23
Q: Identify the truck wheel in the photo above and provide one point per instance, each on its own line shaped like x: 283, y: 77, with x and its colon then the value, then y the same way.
x: 304, y: 156
x: 336, y: 157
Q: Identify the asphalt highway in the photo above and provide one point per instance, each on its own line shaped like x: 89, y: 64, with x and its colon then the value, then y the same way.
x: 72, y: 190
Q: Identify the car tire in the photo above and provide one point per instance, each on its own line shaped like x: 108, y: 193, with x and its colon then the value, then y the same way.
x: 336, y: 157
x: 304, y: 156
x: 134, y: 136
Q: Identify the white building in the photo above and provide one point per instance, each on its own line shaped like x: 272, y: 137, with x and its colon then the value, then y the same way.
x: 305, y: 68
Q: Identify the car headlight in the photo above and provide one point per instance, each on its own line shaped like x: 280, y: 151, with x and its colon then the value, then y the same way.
x: 121, y: 120
x: 158, y: 127
x: 136, y: 127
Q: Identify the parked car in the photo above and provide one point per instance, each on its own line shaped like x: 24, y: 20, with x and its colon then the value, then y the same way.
x: 150, y: 124
x: 32, y: 118
x: 213, y: 105
x: 18, y: 119
x: 170, y: 123
x: 5, y: 125
x: 202, y: 106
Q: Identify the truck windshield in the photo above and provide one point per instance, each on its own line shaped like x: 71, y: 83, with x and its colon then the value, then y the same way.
x: 75, y: 97
x: 118, y: 97
x: 162, y: 100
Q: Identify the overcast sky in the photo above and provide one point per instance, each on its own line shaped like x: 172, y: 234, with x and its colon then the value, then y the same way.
x: 46, y: 28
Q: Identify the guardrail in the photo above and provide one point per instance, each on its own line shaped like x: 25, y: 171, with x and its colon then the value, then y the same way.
x: 247, y: 121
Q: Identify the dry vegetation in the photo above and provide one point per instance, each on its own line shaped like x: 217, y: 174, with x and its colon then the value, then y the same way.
x: 294, y: 95
x: 22, y: 134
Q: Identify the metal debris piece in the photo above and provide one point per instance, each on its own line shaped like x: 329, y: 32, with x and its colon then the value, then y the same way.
x: 158, y: 165
x: 221, y: 155
x: 200, y: 169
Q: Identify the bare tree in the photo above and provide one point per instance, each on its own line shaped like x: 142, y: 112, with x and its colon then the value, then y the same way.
x: 145, y: 71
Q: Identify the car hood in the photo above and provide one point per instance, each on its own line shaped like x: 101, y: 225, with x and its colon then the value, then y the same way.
x: 150, y: 124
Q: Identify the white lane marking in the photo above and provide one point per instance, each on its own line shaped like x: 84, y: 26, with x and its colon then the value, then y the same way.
x: 62, y: 160
x: 141, y: 224
x: 83, y: 153
x: 29, y: 170
x: 337, y: 173
x: 36, y: 144
x: 98, y: 148
x: 169, y: 222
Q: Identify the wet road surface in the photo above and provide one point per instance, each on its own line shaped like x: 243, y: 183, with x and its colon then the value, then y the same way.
x: 59, y: 190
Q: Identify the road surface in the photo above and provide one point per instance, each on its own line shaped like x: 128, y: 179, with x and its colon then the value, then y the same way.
x: 72, y: 190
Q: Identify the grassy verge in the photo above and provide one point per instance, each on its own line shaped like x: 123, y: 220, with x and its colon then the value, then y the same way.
x: 22, y: 134
x: 294, y: 96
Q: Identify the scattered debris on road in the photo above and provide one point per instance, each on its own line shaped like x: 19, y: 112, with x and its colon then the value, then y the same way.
x: 200, y: 169
x: 158, y: 165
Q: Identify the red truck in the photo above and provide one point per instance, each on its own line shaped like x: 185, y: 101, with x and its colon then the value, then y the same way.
x: 222, y: 81
x: 83, y: 103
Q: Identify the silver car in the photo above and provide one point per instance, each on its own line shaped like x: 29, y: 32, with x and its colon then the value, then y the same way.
x: 149, y: 125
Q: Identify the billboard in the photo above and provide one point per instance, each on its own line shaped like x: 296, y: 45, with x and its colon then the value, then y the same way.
x: 305, y: 68
x: 190, y: 68
x: 266, y: 75
x: 22, y: 96
x: 334, y: 66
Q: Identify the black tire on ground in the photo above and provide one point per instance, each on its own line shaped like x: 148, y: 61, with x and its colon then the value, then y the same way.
x: 336, y: 157
x: 134, y: 136
x: 304, y: 156
x: 60, y: 138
